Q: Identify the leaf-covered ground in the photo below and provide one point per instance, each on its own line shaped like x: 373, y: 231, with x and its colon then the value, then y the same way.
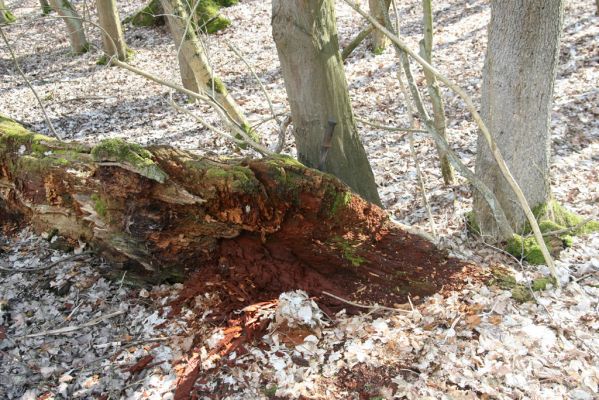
x: 475, y: 343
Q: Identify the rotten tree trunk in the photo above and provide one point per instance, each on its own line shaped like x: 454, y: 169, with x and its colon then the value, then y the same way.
x: 305, y: 34
x: 264, y: 226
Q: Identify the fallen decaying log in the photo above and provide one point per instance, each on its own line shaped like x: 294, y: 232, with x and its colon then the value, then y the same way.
x: 262, y: 226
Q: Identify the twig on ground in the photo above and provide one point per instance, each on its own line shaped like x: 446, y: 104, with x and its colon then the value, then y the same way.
x: 45, y: 267
x: 73, y: 328
x: 374, y: 307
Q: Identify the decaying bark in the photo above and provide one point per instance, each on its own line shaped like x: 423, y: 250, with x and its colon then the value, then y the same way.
x: 113, y: 41
x: 165, y: 212
x: 74, y: 25
x: 305, y: 34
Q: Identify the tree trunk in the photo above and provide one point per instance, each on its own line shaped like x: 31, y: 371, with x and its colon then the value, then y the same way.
x: 46, y: 9
x: 113, y: 41
x: 305, y: 34
x: 6, y: 17
x: 264, y: 226
x: 192, y: 53
x: 188, y: 78
x: 379, y: 40
x: 518, y: 80
x: 77, y: 38
x: 433, y: 90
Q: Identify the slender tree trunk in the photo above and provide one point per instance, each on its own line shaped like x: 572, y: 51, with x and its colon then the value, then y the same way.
x: 113, y: 41
x: 73, y: 22
x: 433, y: 90
x: 378, y: 8
x: 518, y: 80
x: 188, y: 77
x: 305, y: 34
x: 192, y: 54
x: 6, y: 17
x: 46, y: 9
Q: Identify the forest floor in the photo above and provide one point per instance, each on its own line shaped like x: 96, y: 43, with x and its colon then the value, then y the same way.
x: 67, y: 332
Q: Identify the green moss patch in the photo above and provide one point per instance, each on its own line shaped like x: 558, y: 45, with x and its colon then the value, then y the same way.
x: 552, y: 217
x: 557, y: 224
x: 7, y: 16
x: 341, y: 200
x: 14, y: 135
x: 503, y: 279
x: 130, y: 154
x: 349, y: 251
x: 100, y: 205
x: 208, y: 15
x: 150, y: 15
x: 238, y: 178
x: 562, y: 219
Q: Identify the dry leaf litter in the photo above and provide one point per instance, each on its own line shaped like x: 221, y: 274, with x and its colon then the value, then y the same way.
x: 67, y: 332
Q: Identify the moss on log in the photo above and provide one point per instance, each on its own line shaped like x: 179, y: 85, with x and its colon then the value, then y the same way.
x: 164, y: 212
x: 208, y: 18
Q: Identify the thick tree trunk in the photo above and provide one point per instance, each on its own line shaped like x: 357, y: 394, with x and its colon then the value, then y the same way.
x: 72, y: 20
x: 192, y: 53
x: 377, y: 9
x: 113, y: 41
x: 519, y: 76
x: 6, y: 17
x: 263, y: 226
x: 305, y: 34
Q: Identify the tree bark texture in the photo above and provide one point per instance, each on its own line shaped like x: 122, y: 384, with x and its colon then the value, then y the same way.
x: 518, y: 81
x: 261, y: 225
x: 305, y: 34
x: 434, y: 91
x: 72, y: 20
x: 113, y: 41
x: 192, y: 53
x: 377, y: 9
